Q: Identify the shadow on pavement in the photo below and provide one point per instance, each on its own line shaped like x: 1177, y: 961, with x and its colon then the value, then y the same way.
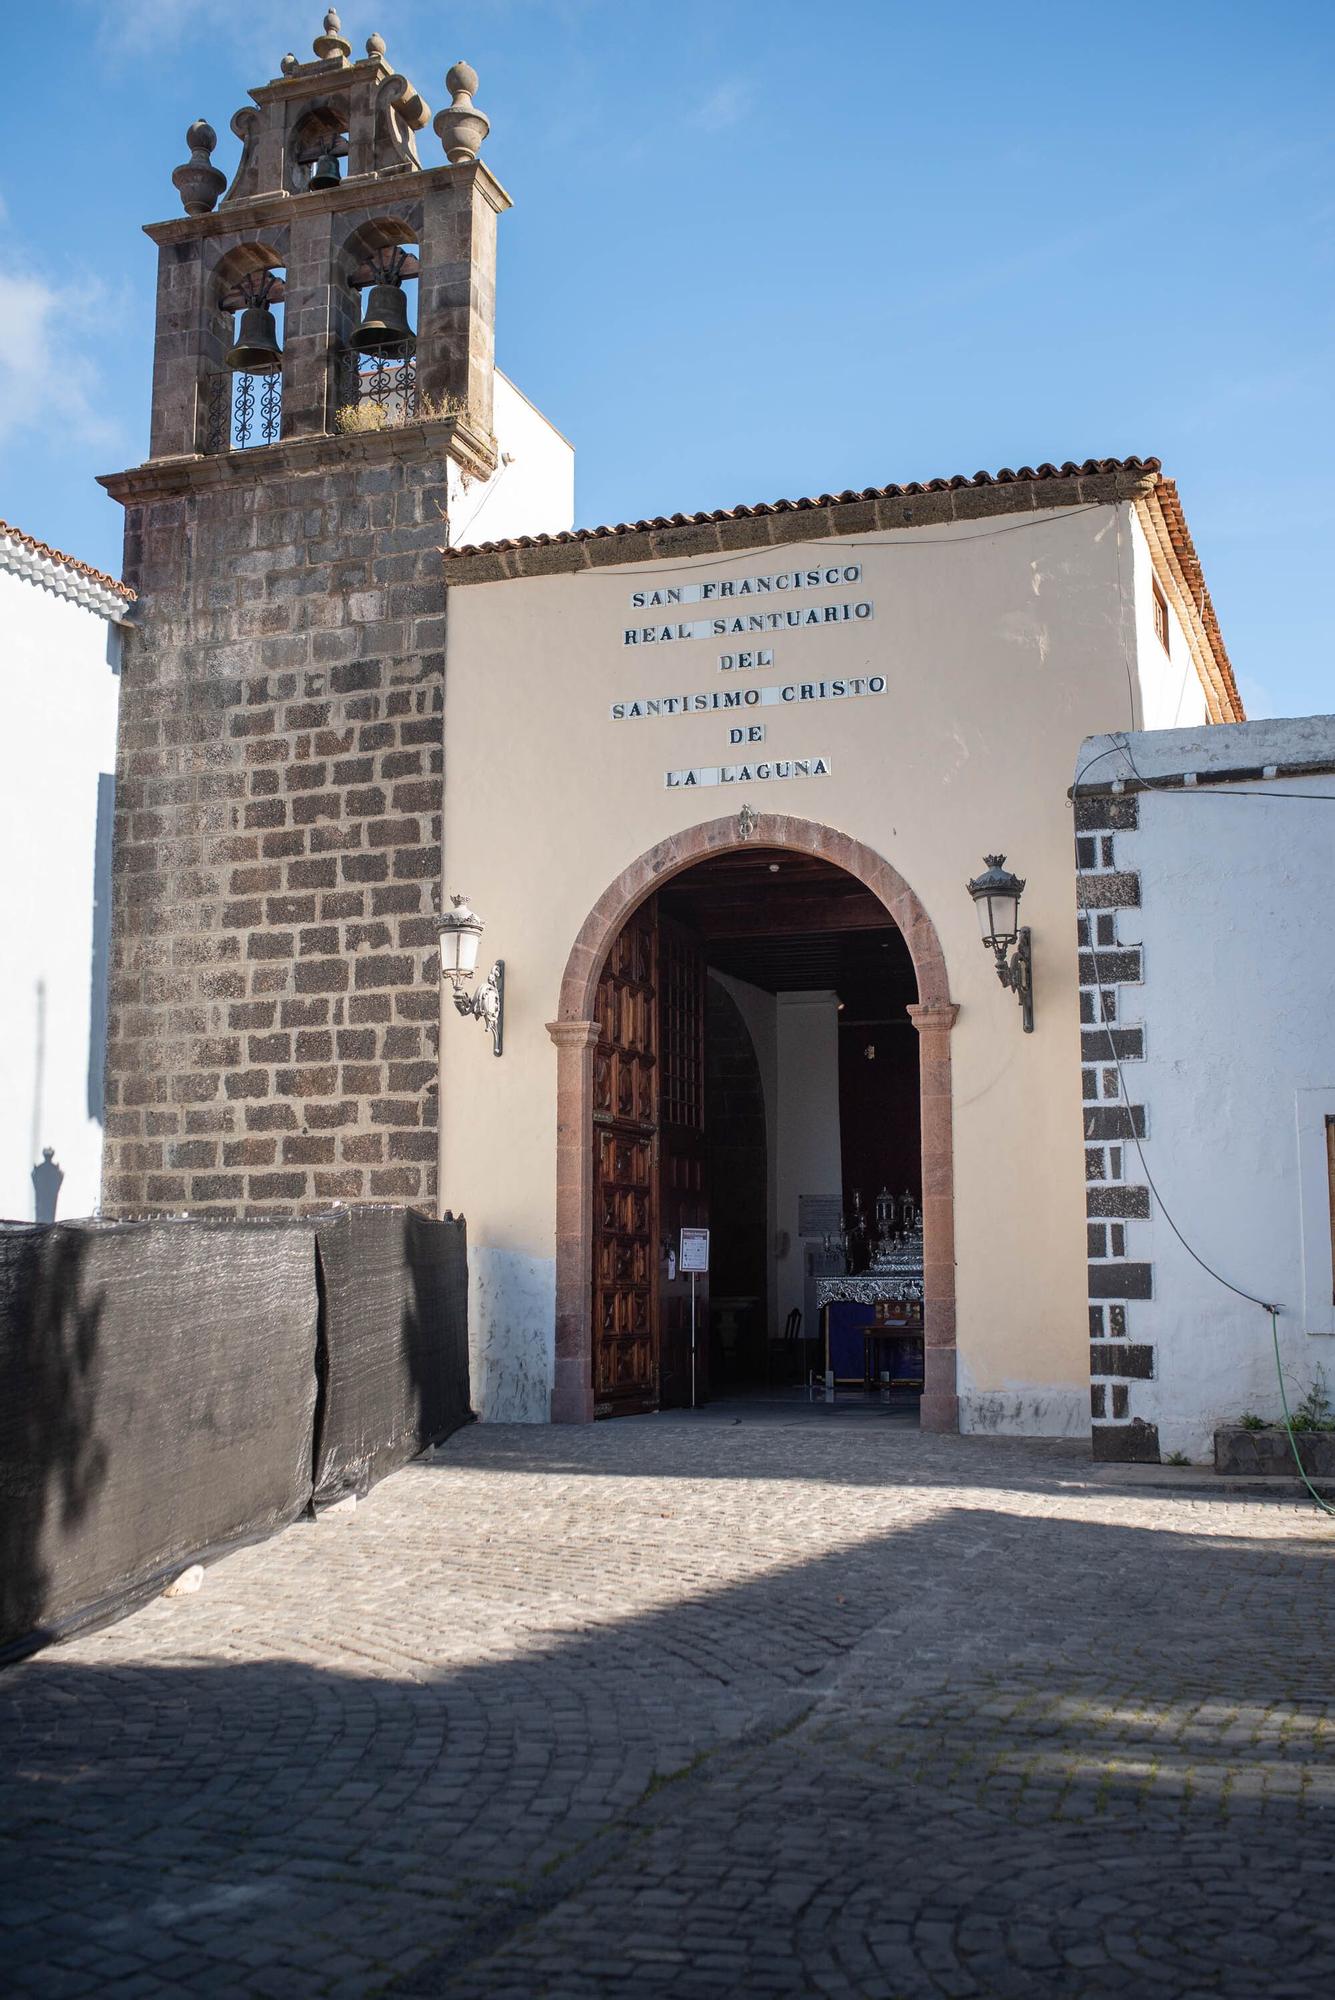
x: 987, y: 1753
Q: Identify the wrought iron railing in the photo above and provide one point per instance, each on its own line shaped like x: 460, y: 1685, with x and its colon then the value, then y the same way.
x: 376, y: 393
x: 243, y: 410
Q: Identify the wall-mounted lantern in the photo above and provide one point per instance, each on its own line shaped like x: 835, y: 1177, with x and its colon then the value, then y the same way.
x: 460, y: 933
x: 996, y: 897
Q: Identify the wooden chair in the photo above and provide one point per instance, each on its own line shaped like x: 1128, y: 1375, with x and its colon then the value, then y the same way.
x: 790, y: 1341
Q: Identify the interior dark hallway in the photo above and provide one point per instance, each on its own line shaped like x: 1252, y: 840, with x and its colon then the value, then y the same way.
x: 714, y: 959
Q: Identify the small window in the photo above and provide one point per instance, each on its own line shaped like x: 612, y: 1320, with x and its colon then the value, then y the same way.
x: 1161, y: 618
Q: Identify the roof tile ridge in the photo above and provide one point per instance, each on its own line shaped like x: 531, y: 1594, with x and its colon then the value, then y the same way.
x: 49, y: 554
x: 957, y: 482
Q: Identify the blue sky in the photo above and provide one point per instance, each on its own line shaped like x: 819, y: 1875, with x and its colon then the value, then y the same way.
x: 764, y: 249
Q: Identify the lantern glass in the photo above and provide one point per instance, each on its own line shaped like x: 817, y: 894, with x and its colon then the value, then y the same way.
x: 465, y: 945
x: 998, y: 913
x: 996, y: 897
x: 460, y: 933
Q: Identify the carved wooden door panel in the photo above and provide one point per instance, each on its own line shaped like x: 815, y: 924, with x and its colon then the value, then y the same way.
x: 625, y: 1163
x: 683, y: 1181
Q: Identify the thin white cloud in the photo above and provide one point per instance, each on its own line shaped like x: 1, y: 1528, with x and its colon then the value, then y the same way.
x: 724, y: 107
x: 50, y: 379
x: 136, y: 28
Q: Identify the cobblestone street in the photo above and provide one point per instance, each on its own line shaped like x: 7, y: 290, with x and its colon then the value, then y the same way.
x: 698, y: 1706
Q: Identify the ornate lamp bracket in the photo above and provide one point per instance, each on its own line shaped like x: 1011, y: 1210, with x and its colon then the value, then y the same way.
x: 1017, y: 973
x: 487, y: 1004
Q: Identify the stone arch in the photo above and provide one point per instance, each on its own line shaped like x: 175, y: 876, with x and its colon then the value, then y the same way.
x: 575, y: 1033
x: 249, y: 271
x: 321, y: 127
x: 247, y: 259
x: 397, y: 224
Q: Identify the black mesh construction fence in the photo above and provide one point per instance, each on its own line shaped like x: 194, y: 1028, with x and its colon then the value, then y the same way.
x: 170, y: 1388
x: 394, y: 1356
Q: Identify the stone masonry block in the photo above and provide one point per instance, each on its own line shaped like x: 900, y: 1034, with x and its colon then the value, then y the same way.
x: 385, y: 969
x: 1136, y: 1443
x: 1121, y: 1281
x: 296, y: 664
x: 1117, y: 1198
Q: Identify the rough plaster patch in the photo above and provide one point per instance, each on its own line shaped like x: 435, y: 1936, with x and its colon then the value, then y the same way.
x: 511, y: 1335
x: 1023, y: 1409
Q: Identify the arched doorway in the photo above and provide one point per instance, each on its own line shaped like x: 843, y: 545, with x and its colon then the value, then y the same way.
x: 576, y: 1034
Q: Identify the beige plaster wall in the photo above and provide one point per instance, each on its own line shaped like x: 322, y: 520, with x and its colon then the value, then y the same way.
x: 1002, y: 647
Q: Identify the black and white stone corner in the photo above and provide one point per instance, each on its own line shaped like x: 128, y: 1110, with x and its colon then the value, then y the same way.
x: 1112, y: 1043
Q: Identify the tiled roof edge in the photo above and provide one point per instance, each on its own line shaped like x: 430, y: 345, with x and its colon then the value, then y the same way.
x: 1026, y: 476
x: 52, y: 568
x: 1225, y: 689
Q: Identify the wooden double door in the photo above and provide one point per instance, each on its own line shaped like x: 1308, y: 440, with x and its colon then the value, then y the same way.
x: 649, y: 1168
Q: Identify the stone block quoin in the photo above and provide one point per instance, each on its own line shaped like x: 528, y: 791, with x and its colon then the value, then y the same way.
x: 1111, y: 968
x: 274, y: 1002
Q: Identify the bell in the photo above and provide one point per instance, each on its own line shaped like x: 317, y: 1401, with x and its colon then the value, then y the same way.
x: 256, y: 351
x: 384, y: 327
x: 326, y: 173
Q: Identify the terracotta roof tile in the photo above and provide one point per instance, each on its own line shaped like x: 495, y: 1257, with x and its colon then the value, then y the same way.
x: 72, y: 563
x: 1027, y: 474
x: 1179, y: 534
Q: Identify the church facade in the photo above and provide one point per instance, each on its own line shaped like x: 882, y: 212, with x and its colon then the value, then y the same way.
x: 715, y: 785
x: 888, y: 685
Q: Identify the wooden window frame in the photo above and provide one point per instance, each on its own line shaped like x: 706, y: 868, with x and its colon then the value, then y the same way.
x: 1162, y: 628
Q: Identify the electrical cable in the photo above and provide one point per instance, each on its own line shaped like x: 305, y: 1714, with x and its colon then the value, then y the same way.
x: 1251, y: 1298
x: 1218, y: 1276
x: 1235, y: 792
x: 1220, y: 790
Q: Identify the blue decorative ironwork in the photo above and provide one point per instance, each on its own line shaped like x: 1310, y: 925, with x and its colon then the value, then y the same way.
x: 387, y: 385
x: 271, y: 408
x: 236, y: 416
x: 243, y: 411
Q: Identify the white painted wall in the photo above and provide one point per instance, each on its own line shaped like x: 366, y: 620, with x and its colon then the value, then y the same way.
x: 58, y: 698
x: 531, y: 492
x: 1239, y: 1071
x: 807, y: 1156
x: 1169, y: 691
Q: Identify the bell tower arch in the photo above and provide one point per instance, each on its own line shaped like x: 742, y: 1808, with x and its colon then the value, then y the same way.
x: 323, y: 365
x: 329, y: 150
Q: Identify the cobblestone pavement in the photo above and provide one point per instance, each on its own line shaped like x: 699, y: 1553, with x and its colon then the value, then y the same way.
x: 699, y: 1707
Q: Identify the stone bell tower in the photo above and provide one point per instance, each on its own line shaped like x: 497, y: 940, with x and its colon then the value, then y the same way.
x: 279, y: 779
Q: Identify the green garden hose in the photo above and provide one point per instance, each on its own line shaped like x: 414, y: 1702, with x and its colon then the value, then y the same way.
x: 1322, y: 1503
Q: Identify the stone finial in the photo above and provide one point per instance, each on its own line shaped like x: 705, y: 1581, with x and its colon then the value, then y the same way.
x: 199, y: 182
x: 289, y: 63
x: 331, y: 45
x: 375, y: 47
x: 462, y: 127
